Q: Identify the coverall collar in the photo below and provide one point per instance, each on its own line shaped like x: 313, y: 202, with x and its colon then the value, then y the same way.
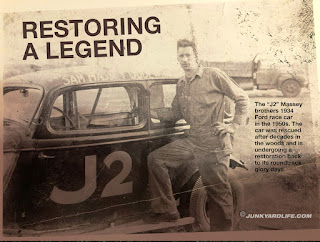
x: 198, y: 73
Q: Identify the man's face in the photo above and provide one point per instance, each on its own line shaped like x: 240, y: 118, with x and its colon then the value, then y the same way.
x: 187, y: 58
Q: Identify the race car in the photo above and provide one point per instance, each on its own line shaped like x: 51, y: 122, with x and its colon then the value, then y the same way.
x: 76, y: 142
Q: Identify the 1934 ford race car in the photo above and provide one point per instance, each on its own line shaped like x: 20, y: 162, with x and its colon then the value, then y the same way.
x: 76, y: 142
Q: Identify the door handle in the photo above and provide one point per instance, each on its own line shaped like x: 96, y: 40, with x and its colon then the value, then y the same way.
x: 43, y: 156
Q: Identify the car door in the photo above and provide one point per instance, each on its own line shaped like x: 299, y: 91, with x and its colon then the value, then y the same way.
x: 267, y: 75
x: 91, y: 154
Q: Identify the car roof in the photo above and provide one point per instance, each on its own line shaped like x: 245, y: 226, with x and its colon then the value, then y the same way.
x: 76, y: 75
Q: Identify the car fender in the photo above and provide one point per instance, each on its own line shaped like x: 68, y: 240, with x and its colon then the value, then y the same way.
x: 16, y: 140
x: 12, y: 146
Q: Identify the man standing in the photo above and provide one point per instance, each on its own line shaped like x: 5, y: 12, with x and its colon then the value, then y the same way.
x: 200, y: 101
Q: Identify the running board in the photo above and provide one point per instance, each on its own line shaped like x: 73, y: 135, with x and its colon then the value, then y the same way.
x: 140, y: 226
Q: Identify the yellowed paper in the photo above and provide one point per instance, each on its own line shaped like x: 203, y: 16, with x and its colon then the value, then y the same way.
x: 81, y: 82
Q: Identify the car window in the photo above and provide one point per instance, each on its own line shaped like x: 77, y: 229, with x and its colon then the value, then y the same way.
x: 97, y: 108
x: 162, y: 95
x: 20, y: 103
x: 114, y: 100
x: 161, y: 98
x: 59, y: 104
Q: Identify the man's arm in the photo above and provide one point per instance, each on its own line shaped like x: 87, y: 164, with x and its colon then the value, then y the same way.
x: 232, y: 90
x: 168, y: 114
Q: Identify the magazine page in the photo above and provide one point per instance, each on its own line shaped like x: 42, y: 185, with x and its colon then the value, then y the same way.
x: 180, y: 121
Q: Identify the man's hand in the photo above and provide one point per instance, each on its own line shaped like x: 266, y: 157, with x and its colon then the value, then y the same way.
x: 221, y: 129
x: 154, y: 114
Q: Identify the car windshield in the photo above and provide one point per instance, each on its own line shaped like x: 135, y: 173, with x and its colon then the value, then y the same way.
x: 20, y: 103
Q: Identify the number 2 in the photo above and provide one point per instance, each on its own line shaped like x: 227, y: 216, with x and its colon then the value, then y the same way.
x: 113, y: 188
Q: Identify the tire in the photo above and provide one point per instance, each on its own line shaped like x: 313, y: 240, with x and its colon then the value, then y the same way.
x: 198, y: 206
x: 290, y: 88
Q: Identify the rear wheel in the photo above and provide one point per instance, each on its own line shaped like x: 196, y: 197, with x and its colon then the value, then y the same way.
x: 198, y: 207
x: 290, y: 88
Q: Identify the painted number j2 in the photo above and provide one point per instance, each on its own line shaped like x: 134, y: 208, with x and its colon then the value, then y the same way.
x: 113, y: 188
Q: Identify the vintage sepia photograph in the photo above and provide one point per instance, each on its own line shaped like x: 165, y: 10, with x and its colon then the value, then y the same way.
x: 164, y: 119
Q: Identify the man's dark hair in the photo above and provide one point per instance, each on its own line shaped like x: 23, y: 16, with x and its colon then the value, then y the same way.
x: 187, y: 43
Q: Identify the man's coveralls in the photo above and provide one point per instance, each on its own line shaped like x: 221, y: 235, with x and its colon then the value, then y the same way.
x: 200, y: 101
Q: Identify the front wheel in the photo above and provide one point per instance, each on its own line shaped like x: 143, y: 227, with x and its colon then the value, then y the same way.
x: 290, y: 88
x: 198, y: 207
